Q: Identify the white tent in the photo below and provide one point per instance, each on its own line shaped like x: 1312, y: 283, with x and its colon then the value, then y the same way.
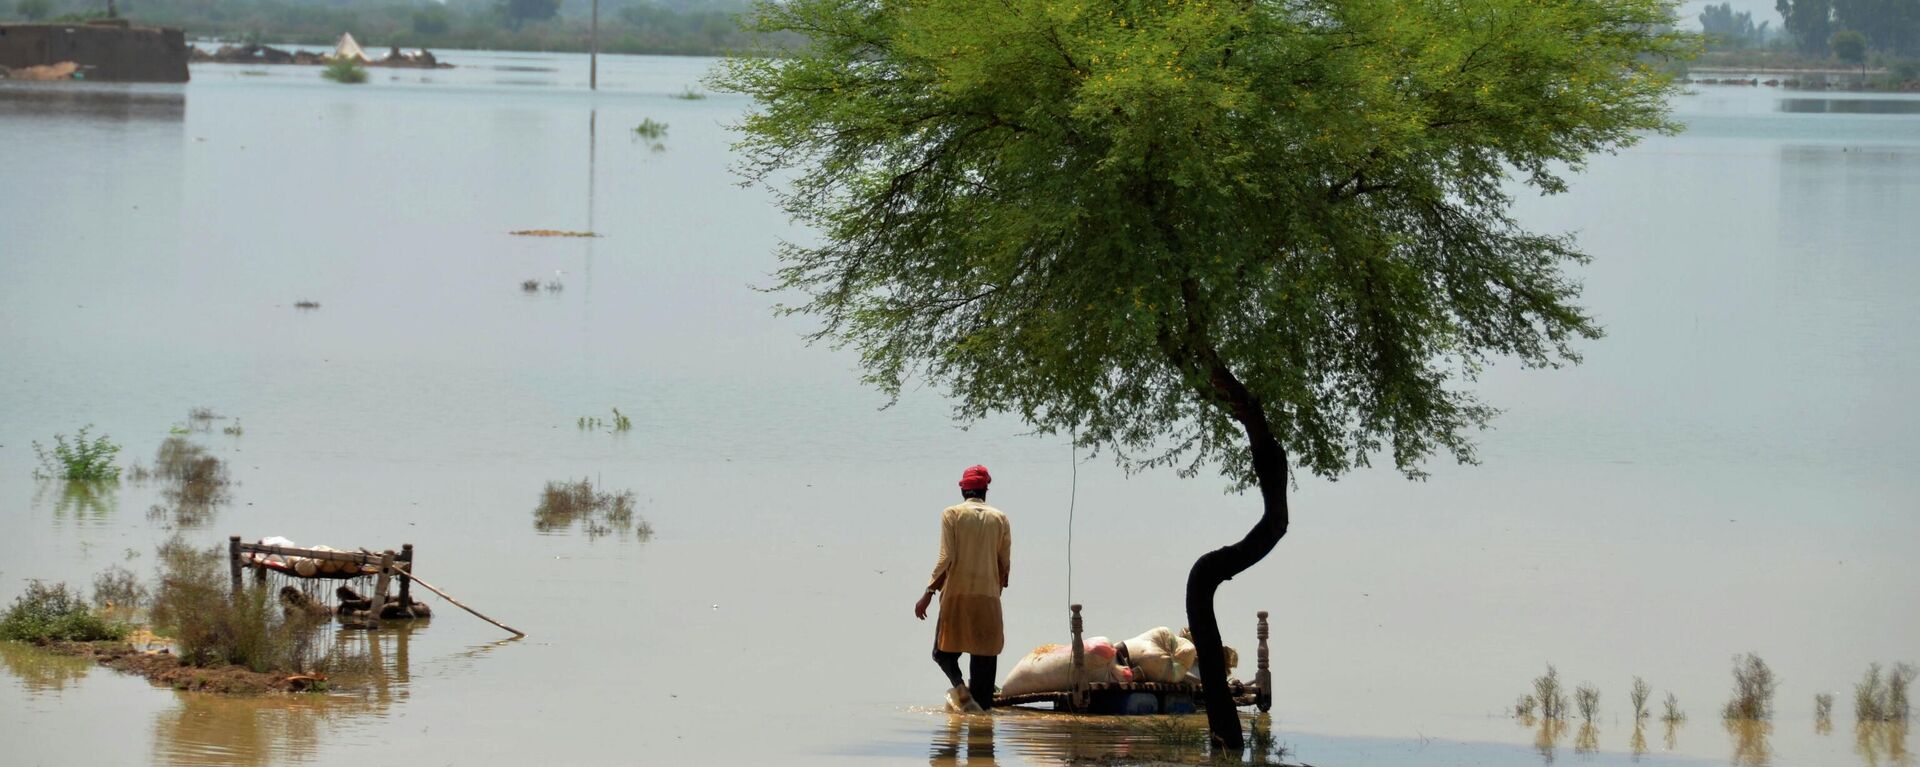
x: 347, y: 48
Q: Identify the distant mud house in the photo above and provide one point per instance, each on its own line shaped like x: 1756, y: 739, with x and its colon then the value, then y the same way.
x: 109, y: 49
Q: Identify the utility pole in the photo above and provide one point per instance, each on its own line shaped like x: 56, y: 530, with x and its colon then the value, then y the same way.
x: 593, y: 68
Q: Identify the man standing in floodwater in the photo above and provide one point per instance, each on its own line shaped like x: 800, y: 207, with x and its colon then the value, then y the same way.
x: 976, y: 552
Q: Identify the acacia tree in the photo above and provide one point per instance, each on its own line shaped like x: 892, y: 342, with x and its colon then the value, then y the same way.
x: 1257, y: 235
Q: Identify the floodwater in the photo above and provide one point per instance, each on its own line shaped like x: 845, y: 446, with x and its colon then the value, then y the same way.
x: 1733, y: 468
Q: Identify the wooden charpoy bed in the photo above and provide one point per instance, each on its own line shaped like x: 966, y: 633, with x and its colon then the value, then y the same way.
x: 1119, y: 697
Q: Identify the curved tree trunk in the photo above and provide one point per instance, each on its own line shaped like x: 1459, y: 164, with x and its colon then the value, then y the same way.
x: 1220, y: 565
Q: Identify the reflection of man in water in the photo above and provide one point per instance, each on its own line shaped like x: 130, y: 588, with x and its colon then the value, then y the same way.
x: 976, y: 549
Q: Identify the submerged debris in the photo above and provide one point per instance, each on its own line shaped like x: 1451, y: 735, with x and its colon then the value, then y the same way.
x: 563, y: 503
x: 550, y: 233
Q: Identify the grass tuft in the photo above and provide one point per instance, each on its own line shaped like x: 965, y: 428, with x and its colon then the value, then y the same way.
x: 689, y: 94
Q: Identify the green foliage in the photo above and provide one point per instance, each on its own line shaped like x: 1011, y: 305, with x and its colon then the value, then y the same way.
x: 85, y: 459
x: 1105, y: 218
x: 1849, y: 46
x: 1725, y: 29
x: 648, y: 129
x: 347, y: 71
x: 55, y: 614
x: 33, y: 10
x: 518, y: 12
x: 1524, y: 706
x: 1753, y: 686
x: 432, y: 20
x: 211, y: 626
x: 689, y: 94
x: 117, y: 588
x: 1809, y: 21
x: 564, y: 503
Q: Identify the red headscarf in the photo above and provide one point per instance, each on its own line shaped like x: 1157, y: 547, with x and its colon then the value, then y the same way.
x: 975, y: 478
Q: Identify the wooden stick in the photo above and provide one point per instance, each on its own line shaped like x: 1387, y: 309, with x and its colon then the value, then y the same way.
x: 456, y: 603
x: 380, y: 588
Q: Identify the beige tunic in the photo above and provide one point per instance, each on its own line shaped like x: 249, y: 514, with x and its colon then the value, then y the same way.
x: 976, y: 552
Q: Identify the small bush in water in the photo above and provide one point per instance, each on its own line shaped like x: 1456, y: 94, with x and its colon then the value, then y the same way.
x: 346, y: 70
x: 85, y: 459
x: 1588, y: 698
x: 1639, y: 695
x: 1753, y: 685
x: 648, y: 129
x: 1877, y: 699
x: 1673, y: 714
x: 1552, y: 697
x: 196, y: 607
x: 55, y: 613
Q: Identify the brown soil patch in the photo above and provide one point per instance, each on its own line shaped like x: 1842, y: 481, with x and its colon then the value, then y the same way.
x: 163, y: 668
x: 550, y: 233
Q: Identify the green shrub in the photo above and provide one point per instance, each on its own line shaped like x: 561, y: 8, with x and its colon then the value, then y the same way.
x: 345, y: 70
x: 1877, y: 699
x: 211, y: 626
x: 85, y: 459
x: 55, y: 613
x: 116, y: 587
x: 648, y: 129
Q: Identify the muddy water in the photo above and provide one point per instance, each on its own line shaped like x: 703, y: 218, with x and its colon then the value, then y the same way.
x: 1732, y: 470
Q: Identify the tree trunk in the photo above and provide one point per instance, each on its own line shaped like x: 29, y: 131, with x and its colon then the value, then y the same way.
x: 1221, y: 565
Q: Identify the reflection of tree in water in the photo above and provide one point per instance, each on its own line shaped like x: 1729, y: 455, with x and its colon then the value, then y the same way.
x: 1546, y: 738
x: 1587, y: 741
x: 1882, y: 744
x: 1750, y: 746
x: 41, y: 671
x: 1673, y: 731
x: 1639, y: 743
x: 207, y: 729
x: 80, y: 501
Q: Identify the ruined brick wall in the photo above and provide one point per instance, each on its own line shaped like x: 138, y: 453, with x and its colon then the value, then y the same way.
x: 112, y: 52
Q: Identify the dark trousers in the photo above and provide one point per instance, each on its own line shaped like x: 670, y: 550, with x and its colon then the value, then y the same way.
x: 983, y: 668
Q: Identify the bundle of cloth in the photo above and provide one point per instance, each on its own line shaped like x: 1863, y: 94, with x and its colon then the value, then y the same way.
x: 1157, y: 655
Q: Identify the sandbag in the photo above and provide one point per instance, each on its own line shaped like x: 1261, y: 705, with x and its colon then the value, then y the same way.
x: 1049, y: 668
x: 1160, y: 656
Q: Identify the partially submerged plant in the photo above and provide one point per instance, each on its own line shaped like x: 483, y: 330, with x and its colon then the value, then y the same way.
x: 234, y: 430
x: 197, y: 482
x: 1673, y: 715
x: 687, y: 93
x: 650, y: 130
x: 306, y: 304
x: 1753, y: 685
x: 1524, y: 707
x: 117, y: 588
x: 1823, y: 707
x: 345, y: 70
x: 1552, y: 697
x: 1638, y: 695
x: 85, y: 459
x: 1587, y: 697
x: 563, y: 503
x: 211, y: 626
x: 530, y: 286
x: 1878, y: 700
x: 55, y: 614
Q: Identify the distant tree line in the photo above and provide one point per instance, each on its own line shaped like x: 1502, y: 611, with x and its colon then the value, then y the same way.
x: 687, y: 27
x: 1723, y: 28
x: 1888, y: 26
